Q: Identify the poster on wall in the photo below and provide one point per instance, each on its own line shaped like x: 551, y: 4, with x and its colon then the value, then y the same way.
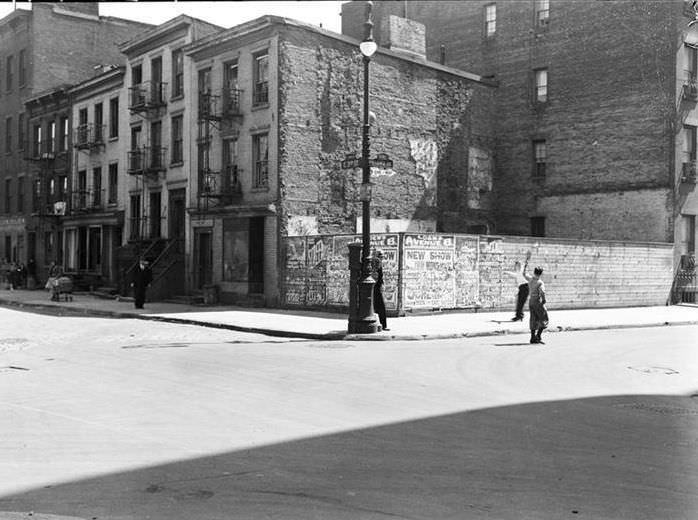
x: 467, y: 281
x: 428, y: 271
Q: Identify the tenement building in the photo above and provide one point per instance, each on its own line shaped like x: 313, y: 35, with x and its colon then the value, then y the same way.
x: 161, y: 131
x: 595, y: 112
x: 280, y: 108
x: 42, y: 52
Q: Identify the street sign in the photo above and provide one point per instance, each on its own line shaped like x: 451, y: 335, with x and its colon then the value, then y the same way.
x: 381, y: 160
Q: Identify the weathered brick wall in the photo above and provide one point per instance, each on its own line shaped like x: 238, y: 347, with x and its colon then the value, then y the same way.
x: 609, y: 123
x: 426, y: 121
x: 66, y: 48
x: 441, y: 271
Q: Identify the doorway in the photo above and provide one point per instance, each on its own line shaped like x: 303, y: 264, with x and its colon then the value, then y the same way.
x: 203, y: 256
x: 177, y: 211
x: 256, y: 256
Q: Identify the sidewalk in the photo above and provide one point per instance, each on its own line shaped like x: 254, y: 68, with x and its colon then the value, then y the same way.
x: 329, y: 326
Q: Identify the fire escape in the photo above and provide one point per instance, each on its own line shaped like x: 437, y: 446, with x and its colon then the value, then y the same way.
x: 88, y: 138
x: 50, y: 200
x: 147, y: 162
x: 222, y: 113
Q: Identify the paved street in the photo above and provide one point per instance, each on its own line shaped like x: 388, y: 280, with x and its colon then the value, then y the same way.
x: 133, y: 419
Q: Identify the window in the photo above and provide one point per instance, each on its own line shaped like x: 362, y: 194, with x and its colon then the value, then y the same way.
x: 63, y: 141
x: 82, y: 189
x: 62, y: 187
x: 97, y: 187
x: 204, y: 85
x: 158, y: 88
x: 538, y: 226
x: 99, y: 123
x: 490, y: 20
x: 260, y: 150
x: 51, y: 138
x: 688, y: 234
x: 8, y: 195
x: 113, y: 183
x: 9, y: 73
x: 691, y: 62
x: 135, y: 220
x: 20, y: 132
x: 156, y: 159
x: 37, y: 139
x: 8, y: 135
x: 689, y: 144
x: 177, y: 139
x: 177, y: 73
x: 48, y: 246
x: 20, y: 194
x: 22, y: 68
x: 542, y: 13
x: 231, y: 178
x: 541, y: 85
x: 36, y: 195
x: 114, y: 118
x: 136, y: 75
x: 539, y: 158
x: 232, y: 88
x: 261, y: 79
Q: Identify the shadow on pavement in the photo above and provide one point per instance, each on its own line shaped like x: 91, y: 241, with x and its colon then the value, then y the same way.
x: 619, y: 457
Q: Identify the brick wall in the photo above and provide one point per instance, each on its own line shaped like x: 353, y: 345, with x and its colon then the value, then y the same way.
x: 609, y: 122
x: 440, y: 271
x: 66, y: 48
x: 426, y: 120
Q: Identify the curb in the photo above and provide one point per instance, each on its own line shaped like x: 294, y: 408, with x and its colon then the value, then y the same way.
x: 329, y: 336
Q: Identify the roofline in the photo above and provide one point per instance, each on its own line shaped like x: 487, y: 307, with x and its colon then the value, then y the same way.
x: 96, y: 80
x: 15, y: 14
x: 158, y: 30
x: 271, y: 20
x: 54, y: 91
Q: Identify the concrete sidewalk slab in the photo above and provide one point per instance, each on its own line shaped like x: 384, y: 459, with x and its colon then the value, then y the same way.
x: 329, y: 326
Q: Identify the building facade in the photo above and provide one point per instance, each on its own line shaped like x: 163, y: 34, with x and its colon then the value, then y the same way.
x: 161, y: 126
x: 42, y: 51
x: 595, y: 110
x: 94, y: 223
x: 289, y: 111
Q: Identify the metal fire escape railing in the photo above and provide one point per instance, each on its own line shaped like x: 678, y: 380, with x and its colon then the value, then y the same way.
x: 217, y: 187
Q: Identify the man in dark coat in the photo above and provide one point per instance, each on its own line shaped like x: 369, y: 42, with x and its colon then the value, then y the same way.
x: 142, y: 277
x: 378, y: 301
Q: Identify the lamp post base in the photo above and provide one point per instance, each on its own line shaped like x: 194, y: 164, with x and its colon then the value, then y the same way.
x: 366, y: 321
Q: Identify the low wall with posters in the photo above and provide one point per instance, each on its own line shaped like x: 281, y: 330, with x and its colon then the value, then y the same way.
x: 426, y: 272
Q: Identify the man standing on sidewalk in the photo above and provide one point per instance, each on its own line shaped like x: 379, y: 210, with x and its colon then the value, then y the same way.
x: 142, y: 277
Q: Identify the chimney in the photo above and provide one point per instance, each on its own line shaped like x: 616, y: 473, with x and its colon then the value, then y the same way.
x: 405, y: 36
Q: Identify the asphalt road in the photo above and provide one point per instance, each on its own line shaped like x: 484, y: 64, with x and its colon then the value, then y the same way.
x: 129, y: 419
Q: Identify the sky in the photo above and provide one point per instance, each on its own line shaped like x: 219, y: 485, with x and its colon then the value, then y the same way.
x: 223, y: 13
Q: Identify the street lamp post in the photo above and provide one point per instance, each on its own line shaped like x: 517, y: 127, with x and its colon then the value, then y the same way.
x: 364, y: 320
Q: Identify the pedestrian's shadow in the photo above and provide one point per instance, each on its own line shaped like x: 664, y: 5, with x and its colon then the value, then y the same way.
x: 527, y: 344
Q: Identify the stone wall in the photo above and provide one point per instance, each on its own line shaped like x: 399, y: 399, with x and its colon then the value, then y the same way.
x: 425, y: 272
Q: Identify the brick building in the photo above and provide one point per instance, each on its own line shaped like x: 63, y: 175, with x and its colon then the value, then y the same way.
x: 290, y: 110
x: 595, y: 111
x: 42, y: 51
